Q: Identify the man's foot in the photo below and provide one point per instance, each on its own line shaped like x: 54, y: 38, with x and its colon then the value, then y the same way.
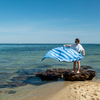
x: 73, y: 71
x: 78, y: 72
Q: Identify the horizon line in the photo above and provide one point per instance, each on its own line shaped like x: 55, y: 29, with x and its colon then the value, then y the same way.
x: 47, y: 43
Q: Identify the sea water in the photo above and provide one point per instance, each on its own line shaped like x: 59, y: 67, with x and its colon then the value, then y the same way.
x: 16, y: 59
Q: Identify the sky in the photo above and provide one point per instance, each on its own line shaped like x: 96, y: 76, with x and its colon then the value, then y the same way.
x: 49, y: 21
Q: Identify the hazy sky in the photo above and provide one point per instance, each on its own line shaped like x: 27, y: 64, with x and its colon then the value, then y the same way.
x: 49, y: 21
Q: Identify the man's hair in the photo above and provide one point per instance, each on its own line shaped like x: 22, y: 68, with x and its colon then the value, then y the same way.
x: 77, y: 40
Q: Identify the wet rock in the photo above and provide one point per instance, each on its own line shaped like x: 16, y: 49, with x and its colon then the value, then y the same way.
x: 2, y: 86
x: 24, y: 77
x: 0, y: 91
x: 82, y: 76
x: 20, y: 78
x: 10, y: 92
x: 59, y: 72
x: 86, y: 67
x: 47, y: 75
x: 27, y: 72
x: 73, y: 76
x: 68, y: 74
x: 51, y: 74
x: 13, y: 84
x: 16, y: 84
x: 91, y: 74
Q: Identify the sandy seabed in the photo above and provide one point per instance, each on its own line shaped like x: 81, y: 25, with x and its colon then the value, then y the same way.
x: 64, y: 90
x: 31, y: 92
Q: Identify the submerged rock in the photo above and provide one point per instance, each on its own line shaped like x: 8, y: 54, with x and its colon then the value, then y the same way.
x: 10, y: 92
x: 47, y: 75
x: 86, y: 67
x: 20, y: 78
x: 13, y: 84
x: 0, y: 91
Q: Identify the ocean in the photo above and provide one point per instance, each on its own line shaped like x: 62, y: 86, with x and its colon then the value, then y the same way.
x: 18, y: 59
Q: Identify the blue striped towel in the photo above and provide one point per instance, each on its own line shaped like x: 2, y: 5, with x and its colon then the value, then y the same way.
x: 64, y: 54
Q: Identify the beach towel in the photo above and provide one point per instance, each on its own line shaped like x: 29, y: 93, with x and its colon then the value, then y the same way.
x: 64, y: 54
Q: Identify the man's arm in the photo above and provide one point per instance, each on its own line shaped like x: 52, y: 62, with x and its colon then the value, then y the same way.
x: 83, y: 52
x: 67, y: 45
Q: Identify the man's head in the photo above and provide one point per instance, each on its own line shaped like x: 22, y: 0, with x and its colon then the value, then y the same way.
x: 77, y: 41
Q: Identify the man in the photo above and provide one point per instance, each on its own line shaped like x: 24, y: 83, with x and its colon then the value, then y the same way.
x: 77, y: 47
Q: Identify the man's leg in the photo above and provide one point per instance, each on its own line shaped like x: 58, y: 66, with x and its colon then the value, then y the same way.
x: 78, y: 66
x: 74, y: 66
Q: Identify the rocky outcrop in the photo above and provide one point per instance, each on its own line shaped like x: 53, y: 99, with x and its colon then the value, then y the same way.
x: 67, y: 74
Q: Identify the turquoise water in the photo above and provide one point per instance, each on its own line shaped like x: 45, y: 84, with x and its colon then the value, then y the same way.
x: 16, y: 59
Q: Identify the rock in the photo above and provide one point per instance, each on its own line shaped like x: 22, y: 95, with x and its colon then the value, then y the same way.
x: 73, y: 76
x: 86, y: 67
x: 91, y: 74
x: 20, y: 78
x: 68, y: 74
x: 13, y: 84
x: 47, y: 75
x: 10, y: 92
x: 0, y: 91
x: 82, y: 76
x: 59, y: 72
x: 51, y: 74
x: 16, y: 84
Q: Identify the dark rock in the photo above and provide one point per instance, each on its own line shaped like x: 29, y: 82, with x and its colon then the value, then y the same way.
x: 20, y: 78
x: 73, y: 76
x: 16, y: 84
x: 0, y: 91
x: 12, y: 84
x: 27, y: 72
x: 47, y: 75
x: 59, y: 72
x: 82, y: 76
x: 11, y: 92
x: 68, y: 74
x: 86, y: 67
x: 51, y: 74
x: 91, y: 74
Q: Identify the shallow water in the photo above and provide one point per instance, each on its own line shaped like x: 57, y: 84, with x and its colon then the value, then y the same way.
x: 18, y: 59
